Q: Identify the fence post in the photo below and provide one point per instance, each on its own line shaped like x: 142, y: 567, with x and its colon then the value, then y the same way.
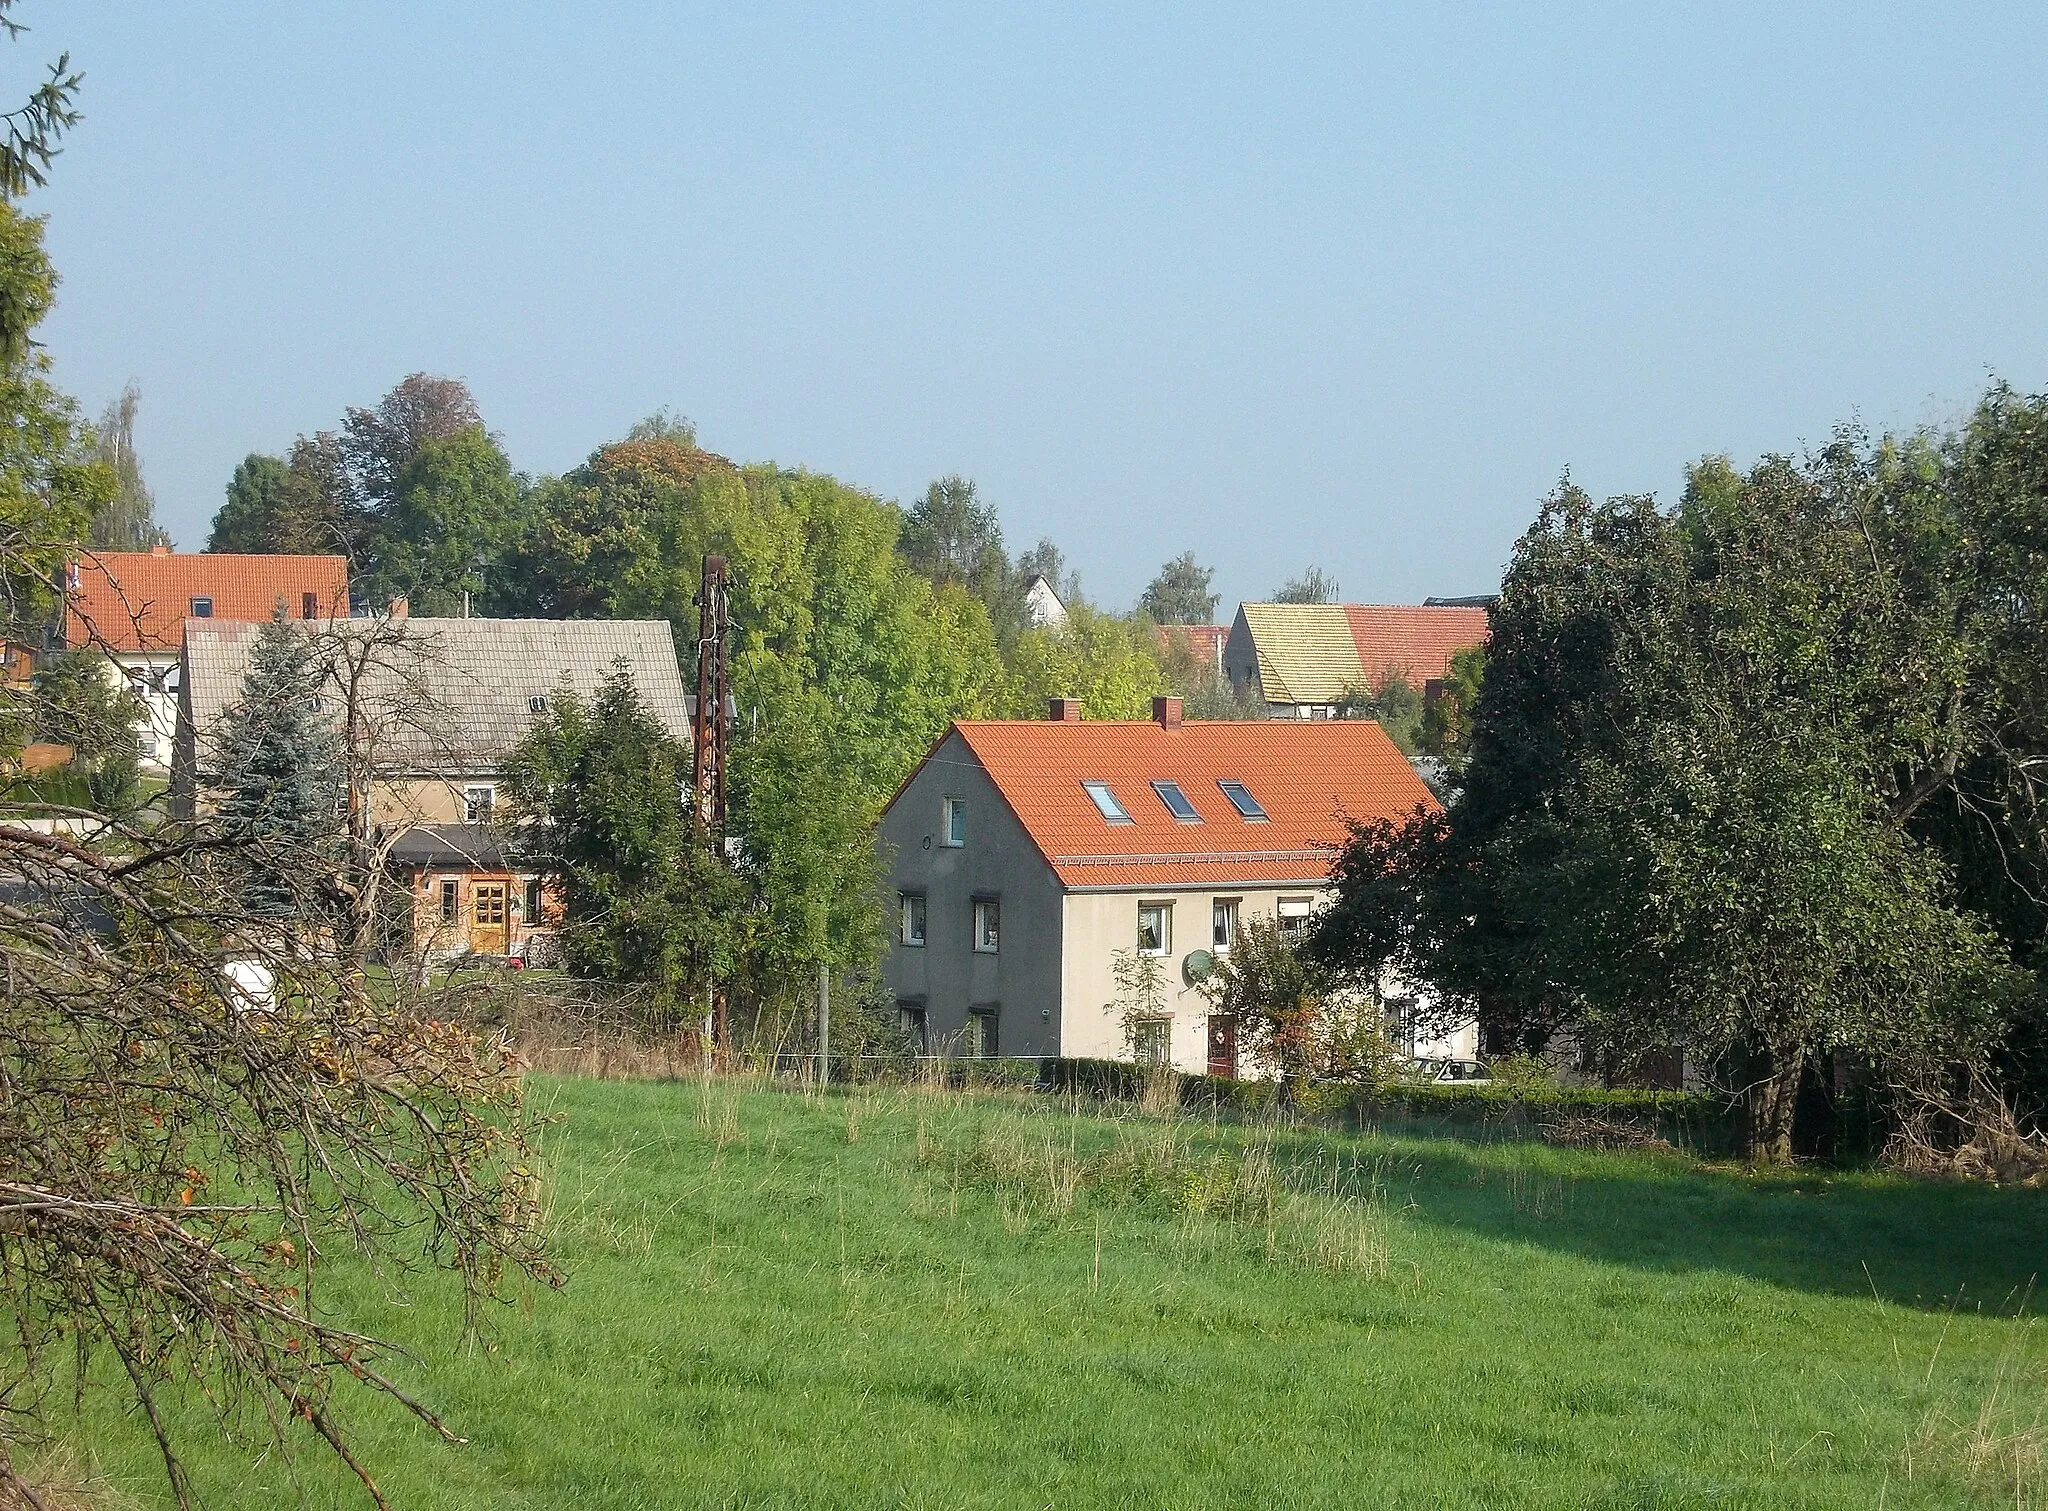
x: 824, y: 1024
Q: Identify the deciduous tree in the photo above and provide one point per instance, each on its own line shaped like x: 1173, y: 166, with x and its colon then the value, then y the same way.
x: 1180, y: 593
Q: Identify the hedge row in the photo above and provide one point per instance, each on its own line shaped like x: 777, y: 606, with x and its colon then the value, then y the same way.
x: 1691, y: 1120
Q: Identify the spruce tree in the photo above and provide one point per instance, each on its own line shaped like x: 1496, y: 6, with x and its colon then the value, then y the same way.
x: 280, y: 776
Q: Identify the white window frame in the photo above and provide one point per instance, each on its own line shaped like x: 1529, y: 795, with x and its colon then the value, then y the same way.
x: 953, y: 823
x: 1293, y: 915
x: 1165, y: 912
x: 988, y: 925
x: 907, y: 905
x: 1223, y: 910
x: 469, y: 802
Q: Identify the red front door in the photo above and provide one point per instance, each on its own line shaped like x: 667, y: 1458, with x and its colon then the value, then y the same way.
x: 1223, y: 1047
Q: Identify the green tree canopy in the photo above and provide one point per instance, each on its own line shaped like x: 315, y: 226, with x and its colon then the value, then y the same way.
x: 1313, y: 585
x: 127, y: 521
x: 454, y: 510
x: 1691, y: 813
x: 1180, y: 593
x: 280, y: 778
x: 52, y: 482
x: 646, y: 898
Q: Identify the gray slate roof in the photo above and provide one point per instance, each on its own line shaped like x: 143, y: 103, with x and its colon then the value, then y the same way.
x: 479, y: 675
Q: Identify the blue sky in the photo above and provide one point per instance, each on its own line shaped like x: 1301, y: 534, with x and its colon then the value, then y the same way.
x: 1348, y: 286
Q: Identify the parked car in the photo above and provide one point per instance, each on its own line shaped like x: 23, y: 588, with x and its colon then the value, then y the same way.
x: 1451, y: 1072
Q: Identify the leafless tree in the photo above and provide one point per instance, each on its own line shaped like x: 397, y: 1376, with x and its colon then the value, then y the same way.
x: 199, y: 1109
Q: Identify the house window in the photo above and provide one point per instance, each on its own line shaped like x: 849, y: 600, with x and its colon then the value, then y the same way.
x: 1152, y: 1040
x: 955, y: 830
x: 476, y: 805
x: 1242, y: 800
x: 1177, y: 802
x: 987, y: 925
x: 1106, y: 803
x: 536, y: 704
x: 910, y: 912
x: 1155, y: 928
x: 910, y: 1018
x: 532, y: 901
x: 449, y: 888
x: 979, y: 1041
x: 1223, y: 923
x: 309, y: 605
x: 1294, y: 918
x: 202, y: 608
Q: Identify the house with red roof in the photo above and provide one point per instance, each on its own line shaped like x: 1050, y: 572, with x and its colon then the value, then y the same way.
x: 1026, y: 858
x: 132, y: 605
x: 1306, y: 659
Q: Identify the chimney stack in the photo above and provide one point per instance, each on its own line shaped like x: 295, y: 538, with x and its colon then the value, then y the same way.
x: 1064, y: 711
x: 399, y: 607
x: 159, y: 549
x: 1166, y: 711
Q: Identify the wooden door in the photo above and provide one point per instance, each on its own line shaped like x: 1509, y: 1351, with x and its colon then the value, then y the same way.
x: 490, y: 929
x: 1223, y: 1047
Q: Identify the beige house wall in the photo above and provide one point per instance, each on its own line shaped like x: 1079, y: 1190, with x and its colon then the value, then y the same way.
x: 1098, y: 925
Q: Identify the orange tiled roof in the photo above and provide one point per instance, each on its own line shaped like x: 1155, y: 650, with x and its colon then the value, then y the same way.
x: 1412, y: 639
x: 1205, y: 641
x: 139, y: 600
x: 1307, y: 776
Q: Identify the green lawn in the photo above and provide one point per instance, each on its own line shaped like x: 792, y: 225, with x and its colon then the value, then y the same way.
x: 903, y: 1299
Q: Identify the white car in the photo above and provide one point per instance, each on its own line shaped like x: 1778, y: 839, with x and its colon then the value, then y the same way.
x: 1452, y: 1072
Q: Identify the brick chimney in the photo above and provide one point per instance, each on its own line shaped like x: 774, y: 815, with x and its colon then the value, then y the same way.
x: 1064, y: 711
x: 1166, y: 712
x: 399, y: 607
x: 159, y: 549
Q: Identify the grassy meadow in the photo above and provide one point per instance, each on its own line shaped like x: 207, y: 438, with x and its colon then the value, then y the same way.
x: 919, y: 1299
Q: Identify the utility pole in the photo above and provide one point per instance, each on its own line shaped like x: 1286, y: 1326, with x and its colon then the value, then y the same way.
x: 712, y: 736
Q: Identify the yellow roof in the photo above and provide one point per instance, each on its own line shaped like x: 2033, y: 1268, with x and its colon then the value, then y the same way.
x: 1307, y: 653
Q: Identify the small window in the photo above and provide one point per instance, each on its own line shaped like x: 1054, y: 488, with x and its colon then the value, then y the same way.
x: 532, y: 909
x: 1242, y: 800
x: 910, y: 914
x: 309, y: 605
x: 476, y: 804
x: 1223, y: 923
x: 987, y: 925
x: 202, y: 608
x: 1152, y: 1041
x: 955, y: 831
x: 1177, y: 802
x: 980, y: 1038
x: 1105, y: 802
x: 1294, y: 913
x: 449, y: 889
x: 910, y: 1018
x: 536, y: 704
x: 1155, y: 928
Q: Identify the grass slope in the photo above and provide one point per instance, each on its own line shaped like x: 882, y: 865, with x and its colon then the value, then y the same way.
x: 919, y: 1300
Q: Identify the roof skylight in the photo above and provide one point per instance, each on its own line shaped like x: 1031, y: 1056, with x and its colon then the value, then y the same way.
x: 1242, y: 800
x: 1106, y: 803
x: 1177, y: 802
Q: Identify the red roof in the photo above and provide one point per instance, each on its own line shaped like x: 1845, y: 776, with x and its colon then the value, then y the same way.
x: 139, y: 600
x: 1307, y: 776
x: 1412, y: 639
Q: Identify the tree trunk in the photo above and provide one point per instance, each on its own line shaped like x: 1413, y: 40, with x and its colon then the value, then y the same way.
x: 1773, y: 1095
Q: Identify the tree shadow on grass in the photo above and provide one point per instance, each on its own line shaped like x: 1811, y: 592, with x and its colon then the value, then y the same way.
x: 1811, y: 1228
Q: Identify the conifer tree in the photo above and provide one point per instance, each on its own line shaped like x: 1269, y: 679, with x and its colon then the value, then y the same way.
x: 280, y: 772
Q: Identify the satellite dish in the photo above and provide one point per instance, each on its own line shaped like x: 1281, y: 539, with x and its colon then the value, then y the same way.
x: 1199, y: 966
